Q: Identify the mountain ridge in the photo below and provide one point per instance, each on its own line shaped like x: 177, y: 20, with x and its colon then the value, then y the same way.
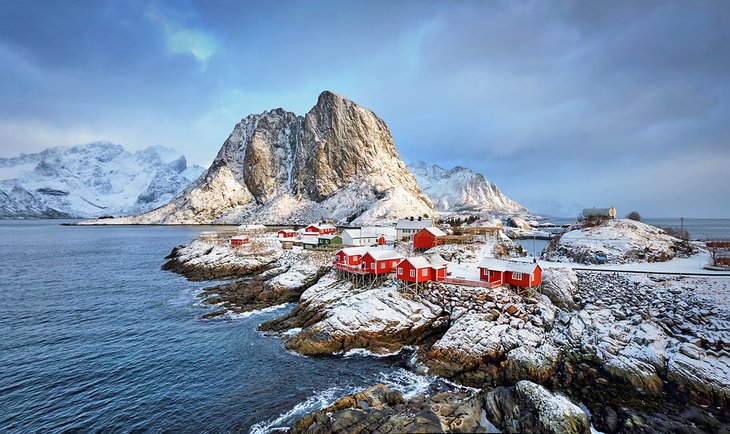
x: 91, y: 180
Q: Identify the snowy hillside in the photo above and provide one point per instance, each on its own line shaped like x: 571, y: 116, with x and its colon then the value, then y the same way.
x: 618, y: 241
x: 339, y: 162
x: 93, y: 180
x: 461, y: 189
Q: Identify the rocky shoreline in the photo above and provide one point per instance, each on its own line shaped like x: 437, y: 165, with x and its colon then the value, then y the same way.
x: 641, y: 353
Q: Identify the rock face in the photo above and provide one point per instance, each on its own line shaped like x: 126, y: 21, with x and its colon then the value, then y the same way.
x: 336, y: 318
x: 619, y: 241
x: 338, y: 162
x: 98, y: 179
x: 381, y: 409
x: 462, y: 190
x: 529, y: 407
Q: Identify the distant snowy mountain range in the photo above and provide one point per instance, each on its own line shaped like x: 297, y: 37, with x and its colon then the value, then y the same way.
x: 93, y: 180
x: 462, y: 190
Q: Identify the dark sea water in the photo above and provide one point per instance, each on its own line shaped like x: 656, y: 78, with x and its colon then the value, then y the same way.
x: 93, y: 336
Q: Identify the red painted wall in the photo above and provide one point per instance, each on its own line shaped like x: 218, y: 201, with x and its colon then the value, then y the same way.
x: 382, y: 267
x: 406, y: 276
x: 424, y: 239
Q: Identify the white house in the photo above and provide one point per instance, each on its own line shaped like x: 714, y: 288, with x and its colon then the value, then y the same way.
x: 406, y: 228
x: 358, y: 237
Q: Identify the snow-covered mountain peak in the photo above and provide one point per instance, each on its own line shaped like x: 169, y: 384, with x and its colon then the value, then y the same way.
x: 338, y: 161
x: 461, y: 189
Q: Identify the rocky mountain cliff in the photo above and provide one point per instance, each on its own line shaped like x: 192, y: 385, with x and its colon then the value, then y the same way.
x: 462, y: 190
x: 93, y: 180
x: 338, y: 162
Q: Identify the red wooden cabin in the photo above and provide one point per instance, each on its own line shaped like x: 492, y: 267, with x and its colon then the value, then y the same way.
x: 381, y: 261
x: 422, y: 269
x: 286, y: 233
x: 501, y: 272
x: 239, y: 241
x: 321, y: 229
x: 427, y: 238
x: 351, y: 256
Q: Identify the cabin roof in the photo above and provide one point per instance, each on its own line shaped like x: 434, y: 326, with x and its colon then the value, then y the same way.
x: 351, y: 251
x: 322, y: 226
x: 502, y: 265
x: 427, y: 261
x: 436, y: 232
x: 384, y: 255
x: 414, y: 224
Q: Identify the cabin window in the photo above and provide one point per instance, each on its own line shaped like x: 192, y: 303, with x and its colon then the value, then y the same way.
x: 424, y: 272
x: 413, y: 273
x: 517, y: 276
x: 382, y: 265
x: 372, y: 265
x: 400, y: 271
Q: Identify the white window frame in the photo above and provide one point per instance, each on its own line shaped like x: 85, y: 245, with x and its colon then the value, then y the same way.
x: 424, y: 272
x: 400, y: 271
x: 413, y: 273
x: 516, y: 275
x: 372, y: 266
x: 382, y: 265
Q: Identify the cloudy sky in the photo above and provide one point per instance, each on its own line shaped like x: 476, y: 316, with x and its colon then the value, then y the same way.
x: 562, y: 104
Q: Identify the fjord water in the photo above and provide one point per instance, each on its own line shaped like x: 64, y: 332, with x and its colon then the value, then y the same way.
x: 94, y: 336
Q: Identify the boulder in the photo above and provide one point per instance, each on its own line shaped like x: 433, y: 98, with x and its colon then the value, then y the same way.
x: 529, y: 407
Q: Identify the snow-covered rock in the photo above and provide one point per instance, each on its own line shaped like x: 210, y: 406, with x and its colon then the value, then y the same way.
x: 619, y: 241
x: 98, y: 179
x: 336, y: 318
x: 338, y: 162
x: 460, y: 189
x: 559, y: 285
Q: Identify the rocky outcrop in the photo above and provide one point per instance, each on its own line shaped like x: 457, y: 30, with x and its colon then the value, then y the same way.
x: 381, y: 409
x: 336, y: 318
x: 529, y: 407
x: 283, y: 284
x: 214, y: 260
x: 339, y: 162
x: 618, y: 241
x: 462, y: 190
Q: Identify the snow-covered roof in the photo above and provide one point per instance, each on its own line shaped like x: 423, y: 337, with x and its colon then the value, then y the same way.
x: 310, y: 240
x: 502, y: 265
x: 436, y: 232
x: 384, y: 255
x: 427, y: 261
x: 240, y: 237
x: 351, y: 251
x: 291, y: 231
x: 322, y: 226
x: 359, y: 233
x: 414, y: 224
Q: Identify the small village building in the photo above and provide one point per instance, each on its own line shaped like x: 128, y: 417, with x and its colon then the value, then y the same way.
x: 359, y: 237
x: 381, y: 261
x: 420, y: 269
x: 501, y: 272
x: 321, y: 229
x: 328, y: 239
x: 239, y: 240
x: 286, y: 233
x: 309, y: 243
x: 350, y: 256
x: 428, y: 238
x: 603, y: 213
x: 405, y: 229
